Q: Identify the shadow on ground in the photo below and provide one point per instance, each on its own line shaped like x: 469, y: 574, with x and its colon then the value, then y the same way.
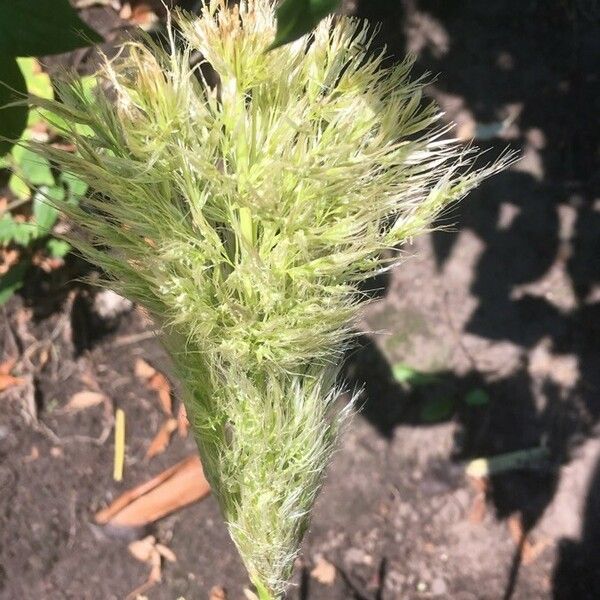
x: 537, y: 59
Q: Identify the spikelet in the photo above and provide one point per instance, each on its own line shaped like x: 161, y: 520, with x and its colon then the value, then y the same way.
x: 243, y: 216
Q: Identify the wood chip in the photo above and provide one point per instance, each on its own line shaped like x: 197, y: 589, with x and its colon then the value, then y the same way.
x: 324, y: 572
x: 84, y: 399
x: 161, y: 440
x: 169, y: 491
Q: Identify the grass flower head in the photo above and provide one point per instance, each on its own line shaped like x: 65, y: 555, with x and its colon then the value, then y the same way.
x: 244, y: 215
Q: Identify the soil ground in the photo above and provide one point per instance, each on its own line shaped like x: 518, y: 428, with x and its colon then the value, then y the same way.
x: 502, y: 312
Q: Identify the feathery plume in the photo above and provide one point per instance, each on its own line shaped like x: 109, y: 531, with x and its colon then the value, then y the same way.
x: 243, y: 216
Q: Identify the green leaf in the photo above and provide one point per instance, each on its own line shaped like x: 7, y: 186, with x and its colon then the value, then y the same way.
x: 13, y: 119
x: 58, y: 248
x: 18, y: 187
x: 437, y: 409
x: 7, y: 229
x: 13, y: 280
x: 76, y: 188
x: 34, y: 169
x: 38, y: 83
x: 12, y: 231
x: 40, y: 27
x: 408, y: 375
x: 295, y: 18
x: 24, y: 233
x: 477, y: 397
x: 44, y: 212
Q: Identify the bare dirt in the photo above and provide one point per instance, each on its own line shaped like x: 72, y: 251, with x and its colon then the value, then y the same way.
x: 503, y: 308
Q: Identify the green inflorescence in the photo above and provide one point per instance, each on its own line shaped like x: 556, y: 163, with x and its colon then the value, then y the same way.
x: 243, y: 215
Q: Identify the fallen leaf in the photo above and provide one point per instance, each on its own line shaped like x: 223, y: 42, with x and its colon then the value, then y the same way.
x: 143, y: 370
x: 159, y: 383
x: 139, y: 13
x: 166, y: 552
x: 161, y: 440
x: 182, y: 421
x: 531, y: 550
x: 156, y: 381
x: 169, y: 491
x: 7, y: 381
x: 324, y: 572
x: 83, y: 400
x: 217, y: 593
x: 150, y: 552
x: 8, y: 257
x: 142, y: 549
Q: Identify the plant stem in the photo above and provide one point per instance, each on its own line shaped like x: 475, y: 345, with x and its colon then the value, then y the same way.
x: 262, y: 591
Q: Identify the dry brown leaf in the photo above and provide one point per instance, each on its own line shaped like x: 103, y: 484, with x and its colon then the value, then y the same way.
x: 139, y: 13
x: 159, y: 383
x: 182, y: 421
x: 515, y: 528
x: 161, y: 440
x: 47, y: 263
x: 150, y: 552
x: 143, y: 370
x: 156, y: 381
x: 217, y: 593
x: 83, y: 400
x: 166, y: 552
x: 8, y: 257
x: 531, y: 550
x: 142, y: 549
x: 172, y: 489
x: 324, y: 572
x: 7, y: 381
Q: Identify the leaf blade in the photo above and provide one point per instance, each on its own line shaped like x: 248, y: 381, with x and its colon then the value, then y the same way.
x: 53, y: 27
